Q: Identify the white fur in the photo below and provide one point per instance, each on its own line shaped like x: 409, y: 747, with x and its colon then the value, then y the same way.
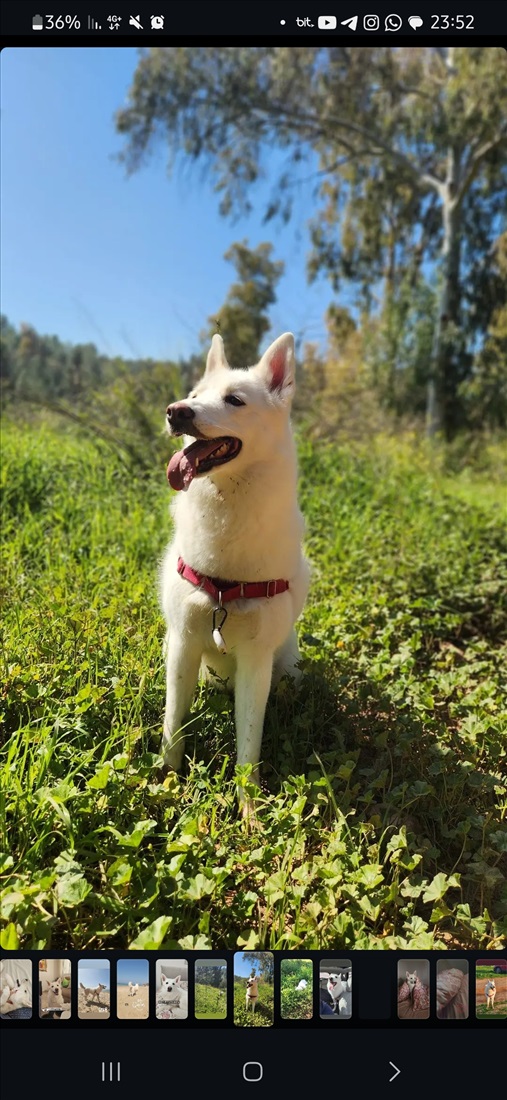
x: 336, y: 989
x: 172, y: 992
x: 338, y: 986
x: 411, y: 982
x: 252, y: 993
x: 55, y: 995
x: 239, y: 522
x: 15, y: 994
x: 92, y: 995
x: 490, y: 993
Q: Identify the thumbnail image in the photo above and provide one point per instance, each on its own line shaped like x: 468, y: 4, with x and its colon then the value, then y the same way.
x: 172, y: 989
x: 253, y: 988
x: 133, y: 989
x: 413, y: 989
x: 94, y: 989
x: 335, y: 988
x: 54, y: 989
x: 210, y: 989
x: 452, y: 989
x: 296, y: 989
x: 491, y: 989
x: 15, y: 989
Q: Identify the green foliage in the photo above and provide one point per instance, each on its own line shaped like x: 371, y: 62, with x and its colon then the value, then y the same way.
x: 120, y: 403
x: 210, y: 1003
x: 263, y: 1015
x: 397, y: 348
x: 408, y: 151
x: 296, y: 1004
x: 383, y: 801
x: 484, y: 392
x: 243, y: 320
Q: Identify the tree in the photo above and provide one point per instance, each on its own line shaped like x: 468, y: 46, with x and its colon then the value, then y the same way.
x: 242, y: 320
x: 404, y: 142
x: 262, y: 963
x: 8, y: 345
x: 485, y: 391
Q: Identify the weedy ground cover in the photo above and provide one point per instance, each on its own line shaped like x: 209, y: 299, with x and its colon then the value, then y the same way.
x: 210, y: 1002
x: 383, y: 801
x: 263, y: 1014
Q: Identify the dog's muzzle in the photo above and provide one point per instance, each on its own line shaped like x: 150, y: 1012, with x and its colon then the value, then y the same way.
x: 179, y: 417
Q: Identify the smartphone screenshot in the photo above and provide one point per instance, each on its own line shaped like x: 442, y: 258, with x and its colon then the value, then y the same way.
x: 253, y: 398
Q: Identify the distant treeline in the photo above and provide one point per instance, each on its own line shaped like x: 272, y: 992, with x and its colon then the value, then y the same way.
x: 35, y: 366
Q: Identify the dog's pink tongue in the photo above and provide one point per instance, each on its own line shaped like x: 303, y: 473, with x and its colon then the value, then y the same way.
x: 183, y: 465
x: 181, y: 470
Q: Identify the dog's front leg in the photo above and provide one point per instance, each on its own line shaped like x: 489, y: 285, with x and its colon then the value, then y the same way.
x: 253, y: 681
x: 182, y: 671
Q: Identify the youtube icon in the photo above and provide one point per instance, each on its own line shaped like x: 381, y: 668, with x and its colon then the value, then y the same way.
x: 327, y: 22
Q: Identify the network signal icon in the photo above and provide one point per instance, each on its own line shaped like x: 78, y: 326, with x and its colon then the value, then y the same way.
x: 352, y: 22
x: 93, y: 24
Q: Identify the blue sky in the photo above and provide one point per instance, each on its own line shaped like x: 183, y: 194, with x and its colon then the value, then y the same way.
x: 132, y: 970
x: 243, y: 964
x: 92, y: 971
x: 136, y: 265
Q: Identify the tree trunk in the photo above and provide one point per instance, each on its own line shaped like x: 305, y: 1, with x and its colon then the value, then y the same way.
x: 442, y: 383
x: 443, y: 380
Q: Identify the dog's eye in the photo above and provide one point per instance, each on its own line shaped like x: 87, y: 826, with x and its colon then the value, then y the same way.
x: 231, y: 399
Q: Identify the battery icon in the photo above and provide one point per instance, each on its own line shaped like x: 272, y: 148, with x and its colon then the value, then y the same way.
x: 37, y: 23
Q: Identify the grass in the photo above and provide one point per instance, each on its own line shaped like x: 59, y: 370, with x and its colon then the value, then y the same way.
x: 296, y: 1004
x: 383, y: 803
x: 210, y: 1002
x: 262, y: 1016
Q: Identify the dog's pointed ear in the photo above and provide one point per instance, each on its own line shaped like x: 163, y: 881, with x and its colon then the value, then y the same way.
x: 216, y: 355
x: 277, y: 366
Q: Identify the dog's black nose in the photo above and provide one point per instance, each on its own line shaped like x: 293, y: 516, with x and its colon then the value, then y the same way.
x: 179, y: 414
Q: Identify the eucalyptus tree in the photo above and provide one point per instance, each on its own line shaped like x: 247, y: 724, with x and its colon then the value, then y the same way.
x: 403, y: 143
x: 243, y: 319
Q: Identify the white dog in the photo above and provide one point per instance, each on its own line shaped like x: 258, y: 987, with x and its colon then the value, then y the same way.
x: 55, y: 995
x: 490, y: 993
x: 234, y: 579
x: 172, y: 991
x: 412, y: 980
x: 252, y: 993
x: 346, y: 977
x: 302, y: 985
x: 15, y: 994
x: 92, y: 995
x: 336, y: 988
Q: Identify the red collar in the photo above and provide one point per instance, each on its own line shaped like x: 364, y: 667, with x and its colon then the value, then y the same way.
x: 222, y: 591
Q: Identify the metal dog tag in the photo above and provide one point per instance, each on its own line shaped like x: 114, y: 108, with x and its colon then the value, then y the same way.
x: 217, y: 629
x: 219, y: 641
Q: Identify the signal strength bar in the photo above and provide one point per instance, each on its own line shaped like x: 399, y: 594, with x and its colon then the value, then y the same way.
x: 93, y: 25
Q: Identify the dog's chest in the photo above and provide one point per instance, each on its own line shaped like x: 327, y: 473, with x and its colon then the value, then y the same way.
x: 245, y: 537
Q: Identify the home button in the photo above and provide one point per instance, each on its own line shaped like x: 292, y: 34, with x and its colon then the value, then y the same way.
x: 252, y: 1071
